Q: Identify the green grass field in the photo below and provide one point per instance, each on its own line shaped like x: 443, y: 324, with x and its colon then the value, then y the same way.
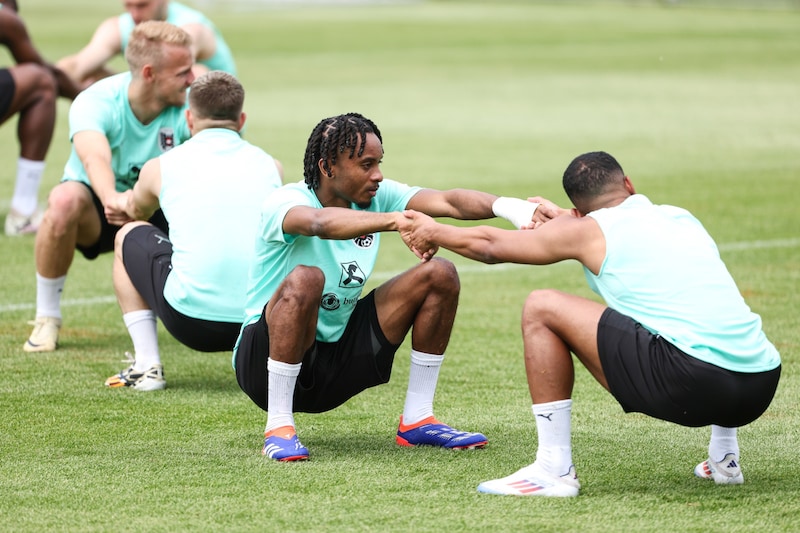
x: 698, y: 101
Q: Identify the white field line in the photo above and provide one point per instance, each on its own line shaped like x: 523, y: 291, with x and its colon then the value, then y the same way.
x: 462, y: 268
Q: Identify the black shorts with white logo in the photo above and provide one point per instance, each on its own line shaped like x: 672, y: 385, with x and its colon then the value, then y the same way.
x: 647, y: 374
x: 332, y: 372
x: 147, y: 256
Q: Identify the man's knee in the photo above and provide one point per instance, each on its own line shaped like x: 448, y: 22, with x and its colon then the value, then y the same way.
x: 303, y: 286
x: 539, y: 303
x: 123, y: 232
x: 67, y: 203
x: 441, y: 275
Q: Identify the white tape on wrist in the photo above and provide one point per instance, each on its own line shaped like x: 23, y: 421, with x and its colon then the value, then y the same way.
x: 518, y: 212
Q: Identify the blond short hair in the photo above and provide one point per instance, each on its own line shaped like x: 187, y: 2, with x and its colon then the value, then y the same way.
x: 216, y: 95
x: 146, y: 44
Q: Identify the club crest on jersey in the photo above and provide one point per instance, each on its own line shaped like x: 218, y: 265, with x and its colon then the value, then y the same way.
x: 330, y: 302
x: 365, y: 241
x: 352, y: 275
x: 166, y: 139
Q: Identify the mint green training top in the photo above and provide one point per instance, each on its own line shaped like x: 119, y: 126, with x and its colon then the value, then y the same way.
x: 346, y: 264
x: 104, y: 107
x: 663, y: 270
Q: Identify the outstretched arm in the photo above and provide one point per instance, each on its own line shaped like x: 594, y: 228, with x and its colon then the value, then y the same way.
x: 566, y: 237
x: 467, y: 204
x: 89, y: 63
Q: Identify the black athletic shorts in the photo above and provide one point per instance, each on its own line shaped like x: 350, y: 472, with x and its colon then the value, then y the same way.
x: 108, y: 231
x: 7, y: 90
x: 647, y: 374
x: 332, y: 373
x: 147, y: 256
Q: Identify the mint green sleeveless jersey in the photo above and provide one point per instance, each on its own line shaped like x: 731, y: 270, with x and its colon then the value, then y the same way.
x: 663, y: 270
x: 212, y: 189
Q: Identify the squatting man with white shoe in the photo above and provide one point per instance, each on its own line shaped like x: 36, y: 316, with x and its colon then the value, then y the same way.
x: 676, y: 340
x: 116, y: 126
x: 310, y: 341
x: 210, y: 189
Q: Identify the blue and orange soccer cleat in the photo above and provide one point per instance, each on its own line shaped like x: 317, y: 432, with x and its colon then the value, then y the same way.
x: 431, y: 432
x: 282, y: 444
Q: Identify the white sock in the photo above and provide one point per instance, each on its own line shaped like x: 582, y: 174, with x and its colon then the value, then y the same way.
x: 280, y: 393
x: 723, y: 441
x: 553, y: 426
x: 48, y: 296
x: 26, y: 189
x: 422, y: 380
x: 142, y: 328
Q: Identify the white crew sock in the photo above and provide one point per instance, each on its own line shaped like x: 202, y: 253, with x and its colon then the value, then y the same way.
x: 142, y: 328
x: 422, y: 380
x: 553, y: 426
x: 48, y: 296
x: 723, y: 441
x: 280, y: 393
x: 26, y: 188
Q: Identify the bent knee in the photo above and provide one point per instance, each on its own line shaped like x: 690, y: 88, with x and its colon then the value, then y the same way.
x: 440, y: 274
x: 303, y: 286
x: 123, y: 232
x: 67, y: 202
x: 540, y: 302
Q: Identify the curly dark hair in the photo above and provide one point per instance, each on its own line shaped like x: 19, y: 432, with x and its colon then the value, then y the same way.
x: 331, y: 137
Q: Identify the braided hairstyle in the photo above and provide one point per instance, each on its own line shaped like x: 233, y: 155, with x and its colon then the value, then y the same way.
x: 331, y: 137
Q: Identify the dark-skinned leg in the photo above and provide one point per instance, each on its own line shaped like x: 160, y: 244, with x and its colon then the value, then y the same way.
x: 291, y: 317
x: 424, y: 300
x: 35, y: 102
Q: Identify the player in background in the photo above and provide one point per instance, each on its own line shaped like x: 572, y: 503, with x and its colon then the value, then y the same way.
x: 210, y: 189
x: 115, y: 126
x: 209, y: 49
x: 675, y: 339
x: 28, y: 89
x: 310, y: 341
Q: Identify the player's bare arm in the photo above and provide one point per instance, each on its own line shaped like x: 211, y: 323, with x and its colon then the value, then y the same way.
x: 143, y: 201
x: 337, y: 222
x: 462, y: 204
x: 560, y: 239
x: 204, y: 42
x: 95, y: 153
x: 104, y: 45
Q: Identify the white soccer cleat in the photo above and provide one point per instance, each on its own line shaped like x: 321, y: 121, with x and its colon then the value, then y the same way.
x: 726, y: 472
x: 44, y: 337
x: 17, y: 224
x: 534, y: 481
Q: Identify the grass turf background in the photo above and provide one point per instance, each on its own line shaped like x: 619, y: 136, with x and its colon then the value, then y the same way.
x: 698, y: 100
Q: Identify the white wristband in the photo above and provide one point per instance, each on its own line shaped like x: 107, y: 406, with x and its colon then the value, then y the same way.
x: 518, y: 212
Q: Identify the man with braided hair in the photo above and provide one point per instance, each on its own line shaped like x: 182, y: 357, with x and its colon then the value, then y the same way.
x: 309, y: 341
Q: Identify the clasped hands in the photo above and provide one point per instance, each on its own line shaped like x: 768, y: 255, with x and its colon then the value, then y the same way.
x: 418, y: 229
